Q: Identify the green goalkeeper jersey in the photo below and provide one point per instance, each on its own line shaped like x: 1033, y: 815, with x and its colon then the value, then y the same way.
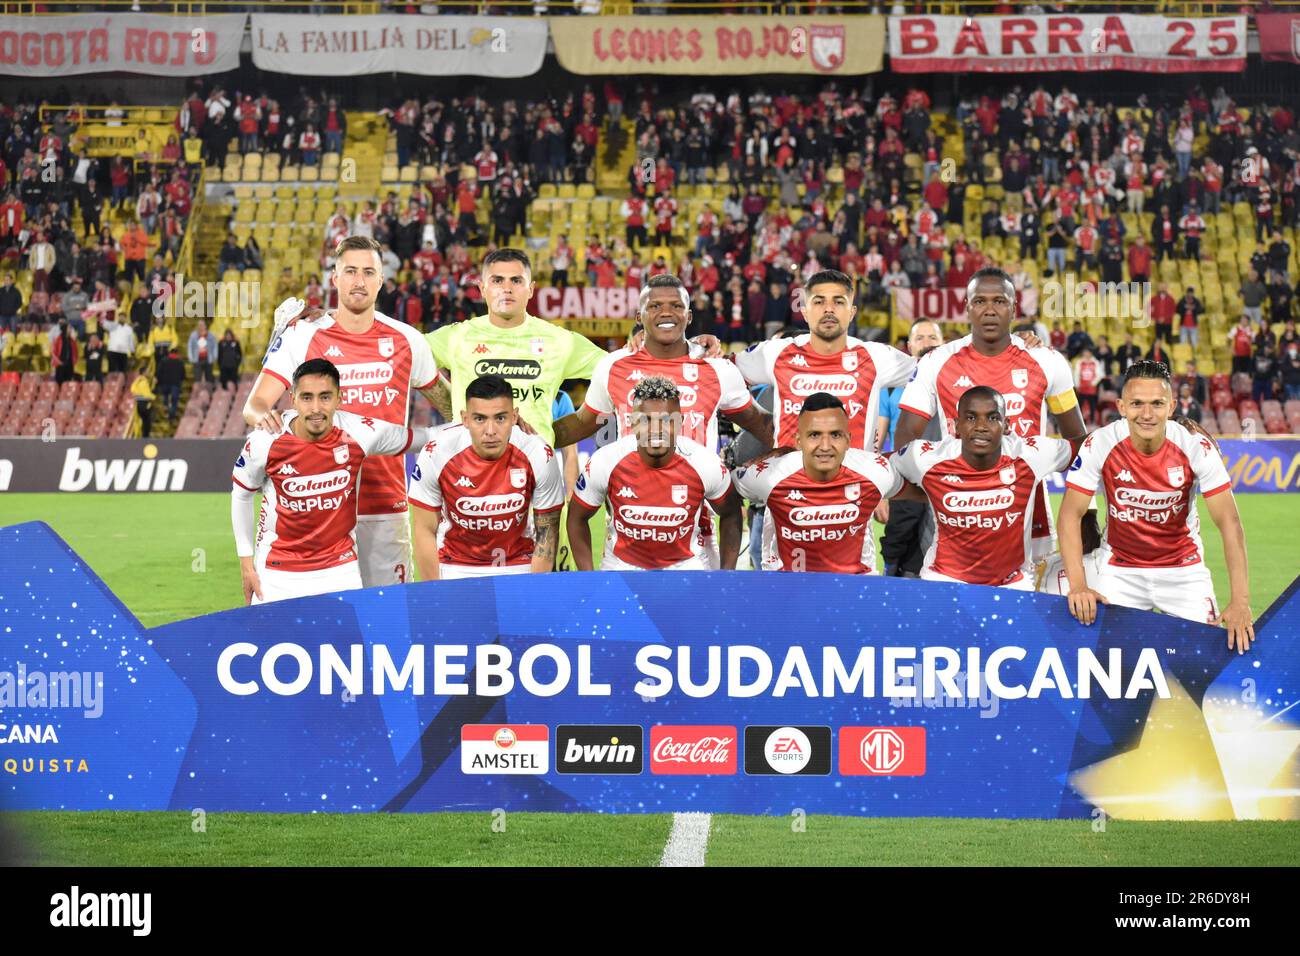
x: 534, y: 358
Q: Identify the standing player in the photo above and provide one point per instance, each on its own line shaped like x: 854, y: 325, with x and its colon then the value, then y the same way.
x: 981, y: 486
x: 484, y: 475
x: 654, y: 485
x: 826, y: 360
x: 707, y: 386
x: 1032, y: 382
x: 1148, y: 467
x: 819, y: 499
x: 379, y: 360
x: 309, y: 475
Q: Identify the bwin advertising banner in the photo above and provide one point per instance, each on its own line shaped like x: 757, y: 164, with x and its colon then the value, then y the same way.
x: 739, y: 692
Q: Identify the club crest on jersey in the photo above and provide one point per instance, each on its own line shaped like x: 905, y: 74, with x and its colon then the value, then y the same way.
x: 1020, y: 377
x: 850, y: 360
x: 1176, y: 476
x: 690, y: 372
x: 679, y: 494
x: 341, y: 455
x: 518, y: 477
x: 1007, y: 475
x: 853, y: 492
x: 537, y: 346
x: 386, y: 347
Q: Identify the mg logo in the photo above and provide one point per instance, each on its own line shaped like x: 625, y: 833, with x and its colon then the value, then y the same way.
x: 881, y: 751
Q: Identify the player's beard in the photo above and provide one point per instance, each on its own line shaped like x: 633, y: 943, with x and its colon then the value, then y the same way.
x: 347, y: 304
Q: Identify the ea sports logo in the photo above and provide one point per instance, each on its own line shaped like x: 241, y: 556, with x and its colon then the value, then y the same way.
x: 787, y: 750
x: 881, y: 750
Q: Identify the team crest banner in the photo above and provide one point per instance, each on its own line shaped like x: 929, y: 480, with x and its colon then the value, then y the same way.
x: 740, y: 692
x: 1075, y: 42
x: 702, y: 46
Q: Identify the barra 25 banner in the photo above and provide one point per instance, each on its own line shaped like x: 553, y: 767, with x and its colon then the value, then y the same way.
x: 120, y: 43
x: 836, y: 45
x: 1078, y: 42
x: 332, y: 45
x: 744, y: 692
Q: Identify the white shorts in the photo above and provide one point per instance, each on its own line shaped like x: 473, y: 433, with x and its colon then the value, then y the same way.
x: 280, y: 585
x: 1186, y: 592
x: 1055, y: 581
x: 611, y: 563
x: 384, y: 549
x: 706, y: 549
x: 452, y: 572
x: 1026, y: 582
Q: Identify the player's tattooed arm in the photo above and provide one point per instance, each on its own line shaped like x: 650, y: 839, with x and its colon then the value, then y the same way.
x: 1072, y: 427
x: 545, y: 540
x: 757, y: 422
x: 572, y: 429
x: 439, y: 396
x: 730, y: 519
x: 579, y: 534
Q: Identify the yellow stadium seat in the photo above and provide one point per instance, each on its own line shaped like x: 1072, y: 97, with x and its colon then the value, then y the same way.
x: 389, y: 174
x: 309, y: 174
x: 567, y: 191
x: 408, y: 174
x: 289, y: 174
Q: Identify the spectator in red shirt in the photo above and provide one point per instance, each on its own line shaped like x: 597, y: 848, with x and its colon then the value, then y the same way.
x: 1139, y: 261
x: 1163, y: 309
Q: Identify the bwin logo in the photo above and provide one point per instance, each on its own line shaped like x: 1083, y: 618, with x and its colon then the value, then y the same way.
x: 122, y: 474
x: 73, y: 909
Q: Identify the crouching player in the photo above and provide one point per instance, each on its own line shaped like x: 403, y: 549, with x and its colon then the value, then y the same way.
x: 485, y: 475
x: 820, y: 498
x: 1148, y: 468
x: 654, y: 484
x: 981, y: 487
x: 307, y: 473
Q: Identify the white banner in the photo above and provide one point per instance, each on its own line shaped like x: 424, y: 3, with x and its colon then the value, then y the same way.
x: 336, y: 45
x: 120, y: 43
x: 1079, y: 42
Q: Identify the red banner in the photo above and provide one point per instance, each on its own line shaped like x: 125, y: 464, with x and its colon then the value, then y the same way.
x: 1082, y: 42
x: 1279, y: 36
x: 589, y: 303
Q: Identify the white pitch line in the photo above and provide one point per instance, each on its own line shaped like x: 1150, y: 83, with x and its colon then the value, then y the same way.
x: 688, y: 840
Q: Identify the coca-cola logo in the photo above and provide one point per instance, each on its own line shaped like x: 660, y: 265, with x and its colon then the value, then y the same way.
x: 704, y: 750
x: 490, y: 505
x: 308, y: 486
x: 693, y: 750
x: 651, y: 516
x: 1143, y: 498
x: 997, y: 499
x: 841, y: 386
x: 365, y: 373
x: 817, y: 515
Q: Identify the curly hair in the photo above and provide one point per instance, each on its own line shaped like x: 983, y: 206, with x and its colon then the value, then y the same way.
x: 656, y: 388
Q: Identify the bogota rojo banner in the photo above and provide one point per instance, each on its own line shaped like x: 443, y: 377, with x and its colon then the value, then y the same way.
x: 833, y: 45
x: 341, y: 45
x: 745, y: 692
x: 1077, y: 42
x: 120, y: 43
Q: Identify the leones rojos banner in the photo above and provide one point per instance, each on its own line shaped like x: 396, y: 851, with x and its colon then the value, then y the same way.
x: 429, y: 46
x: 834, y: 45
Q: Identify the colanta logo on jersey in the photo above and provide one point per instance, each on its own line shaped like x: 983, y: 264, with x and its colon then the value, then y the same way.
x: 788, y: 751
x: 504, y: 748
x: 651, y: 516
x: 815, y: 516
x: 1015, y: 403
x: 488, y: 505
x: 809, y: 383
x: 306, y: 486
x: 360, y: 384
x: 1141, y: 504
x: 995, y: 499
x: 509, y: 368
x: 599, y: 748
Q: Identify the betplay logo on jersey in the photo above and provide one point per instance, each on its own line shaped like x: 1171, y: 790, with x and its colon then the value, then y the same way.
x: 505, y: 748
x: 599, y: 748
x: 788, y: 751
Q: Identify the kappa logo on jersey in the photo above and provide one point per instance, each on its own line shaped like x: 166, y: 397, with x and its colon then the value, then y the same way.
x: 964, y: 382
x: 636, y: 375
x: 882, y: 751
x: 505, y: 748
x: 480, y: 349
x: 799, y: 360
x: 788, y: 751
x: 952, y: 479
x: 333, y: 352
x: 692, y: 750
x: 626, y: 493
x: 287, y: 469
x: 1124, y: 474
x: 599, y: 748
x: 795, y: 495
x: 464, y: 482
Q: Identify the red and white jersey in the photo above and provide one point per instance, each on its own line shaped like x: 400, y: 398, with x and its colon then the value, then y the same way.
x: 665, y: 210
x: 854, y: 376
x: 708, y: 386
x: 654, y: 513
x: 486, y: 504
x: 1151, y: 519
x: 819, y: 525
x: 983, y: 519
x: 309, y: 488
x: 377, y: 370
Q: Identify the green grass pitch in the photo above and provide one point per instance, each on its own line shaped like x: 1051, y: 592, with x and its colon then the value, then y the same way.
x: 172, y: 557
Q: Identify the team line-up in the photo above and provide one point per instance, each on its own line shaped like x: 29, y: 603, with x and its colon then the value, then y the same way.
x: 488, y: 490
